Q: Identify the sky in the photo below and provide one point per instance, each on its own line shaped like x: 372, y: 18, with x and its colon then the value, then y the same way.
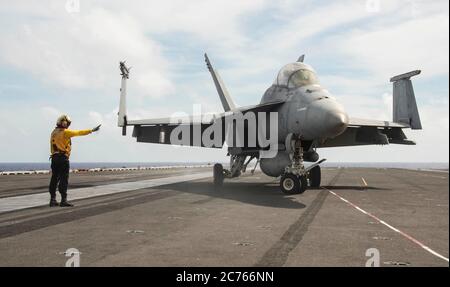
x: 62, y: 57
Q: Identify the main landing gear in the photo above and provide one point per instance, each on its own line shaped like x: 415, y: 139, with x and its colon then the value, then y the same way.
x: 218, y: 175
x: 238, y: 165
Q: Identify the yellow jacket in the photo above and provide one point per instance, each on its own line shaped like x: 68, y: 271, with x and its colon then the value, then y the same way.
x: 60, y: 140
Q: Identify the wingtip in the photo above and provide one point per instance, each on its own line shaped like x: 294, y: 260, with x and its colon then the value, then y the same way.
x: 124, y: 70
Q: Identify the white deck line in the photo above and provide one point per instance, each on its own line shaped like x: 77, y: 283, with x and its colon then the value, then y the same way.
x: 407, y: 236
x: 40, y: 199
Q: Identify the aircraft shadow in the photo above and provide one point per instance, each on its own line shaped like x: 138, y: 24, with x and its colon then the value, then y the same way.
x: 263, y: 194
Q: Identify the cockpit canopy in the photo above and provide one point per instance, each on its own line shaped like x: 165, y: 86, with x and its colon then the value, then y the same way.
x: 296, y: 75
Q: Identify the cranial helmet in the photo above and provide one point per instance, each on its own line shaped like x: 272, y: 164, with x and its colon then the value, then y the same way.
x: 60, y: 121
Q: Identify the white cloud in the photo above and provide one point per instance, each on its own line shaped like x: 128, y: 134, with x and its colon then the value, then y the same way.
x: 392, y: 49
x: 82, y: 50
x: 50, y: 113
x: 79, y: 52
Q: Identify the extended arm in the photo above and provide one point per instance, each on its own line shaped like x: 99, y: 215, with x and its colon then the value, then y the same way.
x: 76, y: 133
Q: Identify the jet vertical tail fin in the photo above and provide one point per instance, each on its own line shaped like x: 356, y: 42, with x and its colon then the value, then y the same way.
x: 225, y: 98
x: 122, y: 115
x: 404, y: 101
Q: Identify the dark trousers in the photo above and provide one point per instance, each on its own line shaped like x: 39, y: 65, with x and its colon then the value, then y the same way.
x: 60, y: 175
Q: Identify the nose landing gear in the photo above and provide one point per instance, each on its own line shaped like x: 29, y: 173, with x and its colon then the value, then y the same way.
x: 296, y: 176
x: 294, y: 181
x: 292, y: 184
x: 314, y: 177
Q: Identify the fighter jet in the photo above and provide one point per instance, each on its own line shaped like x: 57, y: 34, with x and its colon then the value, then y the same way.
x: 307, y: 118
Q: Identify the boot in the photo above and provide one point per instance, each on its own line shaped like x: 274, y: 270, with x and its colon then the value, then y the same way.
x: 65, y: 203
x: 53, y: 202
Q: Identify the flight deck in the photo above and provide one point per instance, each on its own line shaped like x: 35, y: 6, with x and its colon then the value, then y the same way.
x: 175, y: 217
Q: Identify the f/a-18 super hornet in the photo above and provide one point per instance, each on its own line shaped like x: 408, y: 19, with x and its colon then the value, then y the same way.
x: 301, y: 114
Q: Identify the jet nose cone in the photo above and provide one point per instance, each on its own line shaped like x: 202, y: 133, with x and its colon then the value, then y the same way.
x: 324, y: 118
x: 337, y: 123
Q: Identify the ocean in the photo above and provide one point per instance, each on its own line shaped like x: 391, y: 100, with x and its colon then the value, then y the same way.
x: 18, y: 166
x: 31, y: 166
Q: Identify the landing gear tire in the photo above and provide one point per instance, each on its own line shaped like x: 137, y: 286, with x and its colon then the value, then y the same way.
x: 315, y: 176
x: 303, y: 184
x: 218, y: 175
x: 292, y: 184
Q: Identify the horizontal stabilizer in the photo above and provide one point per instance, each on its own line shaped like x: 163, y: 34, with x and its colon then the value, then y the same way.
x: 368, y: 135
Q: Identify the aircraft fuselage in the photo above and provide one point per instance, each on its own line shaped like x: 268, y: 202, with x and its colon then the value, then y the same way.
x: 309, y: 111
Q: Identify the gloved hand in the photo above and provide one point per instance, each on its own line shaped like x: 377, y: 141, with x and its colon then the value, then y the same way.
x: 96, y: 128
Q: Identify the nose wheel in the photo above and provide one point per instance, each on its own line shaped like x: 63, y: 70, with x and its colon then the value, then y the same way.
x: 293, y: 184
x: 315, y: 177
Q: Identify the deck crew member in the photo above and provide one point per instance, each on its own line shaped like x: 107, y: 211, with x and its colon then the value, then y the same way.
x: 60, y: 148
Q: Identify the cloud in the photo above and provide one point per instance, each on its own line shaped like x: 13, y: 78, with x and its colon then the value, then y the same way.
x: 393, y: 49
x: 50, y: 113
x: 355, y: 52
x: 82, y: 50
